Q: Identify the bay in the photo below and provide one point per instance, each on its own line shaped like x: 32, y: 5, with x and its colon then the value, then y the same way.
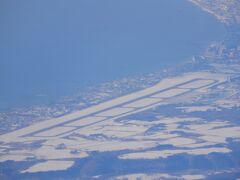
x: 48, y: 49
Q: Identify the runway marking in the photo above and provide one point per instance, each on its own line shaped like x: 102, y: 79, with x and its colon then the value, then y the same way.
x: 86, y: 121
x: 55, y: 131
x: 197, y: 84
x: 115, y: 112
x: 143, y: 102
x: 170, y: 93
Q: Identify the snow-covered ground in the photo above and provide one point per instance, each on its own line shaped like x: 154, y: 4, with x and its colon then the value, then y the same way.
x: 109, y: 127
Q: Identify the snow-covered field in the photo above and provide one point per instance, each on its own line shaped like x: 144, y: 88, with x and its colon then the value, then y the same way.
x: 109, y: 127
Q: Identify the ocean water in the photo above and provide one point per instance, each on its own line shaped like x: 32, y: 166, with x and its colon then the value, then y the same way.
x: 48, y: 49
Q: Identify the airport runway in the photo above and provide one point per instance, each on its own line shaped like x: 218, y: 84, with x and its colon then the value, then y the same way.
x: 116, y: 108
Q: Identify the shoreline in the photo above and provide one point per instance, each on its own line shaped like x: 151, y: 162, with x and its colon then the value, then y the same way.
x: 93, y: 97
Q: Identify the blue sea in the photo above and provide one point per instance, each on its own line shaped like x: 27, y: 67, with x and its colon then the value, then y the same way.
x: 49, y: 49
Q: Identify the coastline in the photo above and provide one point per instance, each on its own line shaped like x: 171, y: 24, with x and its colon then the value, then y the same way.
x: 88, y: 97
x: 187, y: 113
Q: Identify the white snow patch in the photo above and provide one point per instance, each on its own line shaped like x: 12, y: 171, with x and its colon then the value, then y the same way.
x: 49, y: 166
x: 193, y: 177
x: 198, y: 108
x: 167, y: 153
